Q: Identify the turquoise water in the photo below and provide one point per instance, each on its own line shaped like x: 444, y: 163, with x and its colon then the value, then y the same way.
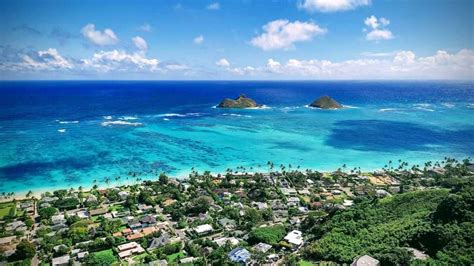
x: 67, y: 134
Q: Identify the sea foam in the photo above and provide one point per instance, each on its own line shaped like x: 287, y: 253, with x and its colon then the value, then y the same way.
x: 68, y: 122
x: 120, y: 123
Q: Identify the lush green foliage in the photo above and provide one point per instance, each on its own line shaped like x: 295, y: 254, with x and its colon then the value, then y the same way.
x: 270, y: 234
x: 66, y: 204
x: 47, y: 212
x: 436, y: 221
x: 24, y: 250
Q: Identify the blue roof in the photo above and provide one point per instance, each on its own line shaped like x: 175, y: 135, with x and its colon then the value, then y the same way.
x: 239, y: 255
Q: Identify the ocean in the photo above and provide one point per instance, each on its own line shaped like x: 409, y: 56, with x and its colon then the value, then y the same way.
x: 63, y: 134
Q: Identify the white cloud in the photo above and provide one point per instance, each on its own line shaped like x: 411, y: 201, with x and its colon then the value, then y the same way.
x: 115, y: 60
x: 376, y: 35
x: 223, y: 62
x: 140, y: 43
x: 199, y: 39
x: 332, y: 5
x: 377, y: 30
x: 401, y: 65
x: 282, y: 34
x: 214, y: 6
x: 107, y: 37
x: 145, y: 27
x: 46, y: 60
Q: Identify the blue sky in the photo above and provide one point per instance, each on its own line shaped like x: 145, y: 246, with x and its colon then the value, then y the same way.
x: 307, y: 39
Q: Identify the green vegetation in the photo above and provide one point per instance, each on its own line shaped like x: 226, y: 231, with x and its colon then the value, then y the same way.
x: 435, y: 221
x: 270, y: 234
x: 105, y: 257
x: 24, y: 250
x: 5, y: 209
x: 175, y: 256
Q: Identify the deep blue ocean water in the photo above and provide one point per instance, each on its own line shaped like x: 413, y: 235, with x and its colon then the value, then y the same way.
x: 68, y: 133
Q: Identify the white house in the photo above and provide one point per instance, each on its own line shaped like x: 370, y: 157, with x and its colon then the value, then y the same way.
x: 203, y: 229
x: 295, y: 238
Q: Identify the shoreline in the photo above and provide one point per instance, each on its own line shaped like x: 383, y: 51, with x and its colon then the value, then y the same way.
x: 21, y: 194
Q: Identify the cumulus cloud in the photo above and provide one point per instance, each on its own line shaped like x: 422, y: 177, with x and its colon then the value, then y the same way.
x: 377, y: 29
x: 282, y: 34
x: 223, y: 62
x: 106, y: 37
x: 140, y: 43
x: 401, y: 65
x: 46, y: 60
x: 199, y: 39
x: 214, y: 6
x: 116, y: 60
x: 332, y: 5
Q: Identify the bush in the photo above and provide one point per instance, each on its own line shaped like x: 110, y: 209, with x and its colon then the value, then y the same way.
x: 47, y: 213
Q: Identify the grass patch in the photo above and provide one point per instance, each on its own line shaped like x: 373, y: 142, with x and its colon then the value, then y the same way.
x: 5, y: 209
x: 175, y: 256
x: 305, y: 263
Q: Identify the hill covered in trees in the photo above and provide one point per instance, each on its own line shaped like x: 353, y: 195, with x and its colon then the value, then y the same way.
x: 438, y: 222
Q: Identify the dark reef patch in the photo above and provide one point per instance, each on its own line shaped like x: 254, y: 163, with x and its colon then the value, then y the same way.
x: 393, y: 136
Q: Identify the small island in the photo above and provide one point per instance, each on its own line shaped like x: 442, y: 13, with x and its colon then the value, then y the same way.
x: 326, y: 102
x: 240, y: 102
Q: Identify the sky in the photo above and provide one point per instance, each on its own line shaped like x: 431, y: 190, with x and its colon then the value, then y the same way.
x: 236, y: 39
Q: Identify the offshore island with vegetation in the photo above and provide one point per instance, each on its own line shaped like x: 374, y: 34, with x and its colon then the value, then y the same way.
x: 398, y: 215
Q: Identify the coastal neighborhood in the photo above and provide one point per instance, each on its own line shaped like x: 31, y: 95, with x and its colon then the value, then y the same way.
x: 236, y: 218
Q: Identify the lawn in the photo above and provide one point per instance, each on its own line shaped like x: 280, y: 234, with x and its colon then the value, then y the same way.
x: 5, y: 209
x: 305, y: 263
x: 173, y: 257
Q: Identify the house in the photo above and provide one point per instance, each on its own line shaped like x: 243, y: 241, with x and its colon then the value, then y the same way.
x: 365, y: 260
x: 348, y: 203
x: 188, y: 260
x: 293, y: 201
x: 135, y: 236
x: 149, y: 230
x: 7, y: 240
x: 168, y: 202
x: 123, y: 195
x: 126, y: 231
x: 145, y: 208
x: 203, y: 229
x: 99, y: 211
x: 303, y: 209
x: 295, y: 238
x: 223, y: 240
x: 128, y: 249
x: 288, y: 191
x: 134, y: 223
x: 17, y: 226
x: 382, y: 193
x: 157, y: 242
x: 82, y: 255
x: 148, y: 220
x: 304, y: 192
x: 260, y: 205
x: 240, y: 255
x: 158, y: 263
x: 227, y: 223
x: 61, y: 261
x: 262, y: 247
x: 58, y: 219
x: 91, y: 199
x: 82, y: 214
